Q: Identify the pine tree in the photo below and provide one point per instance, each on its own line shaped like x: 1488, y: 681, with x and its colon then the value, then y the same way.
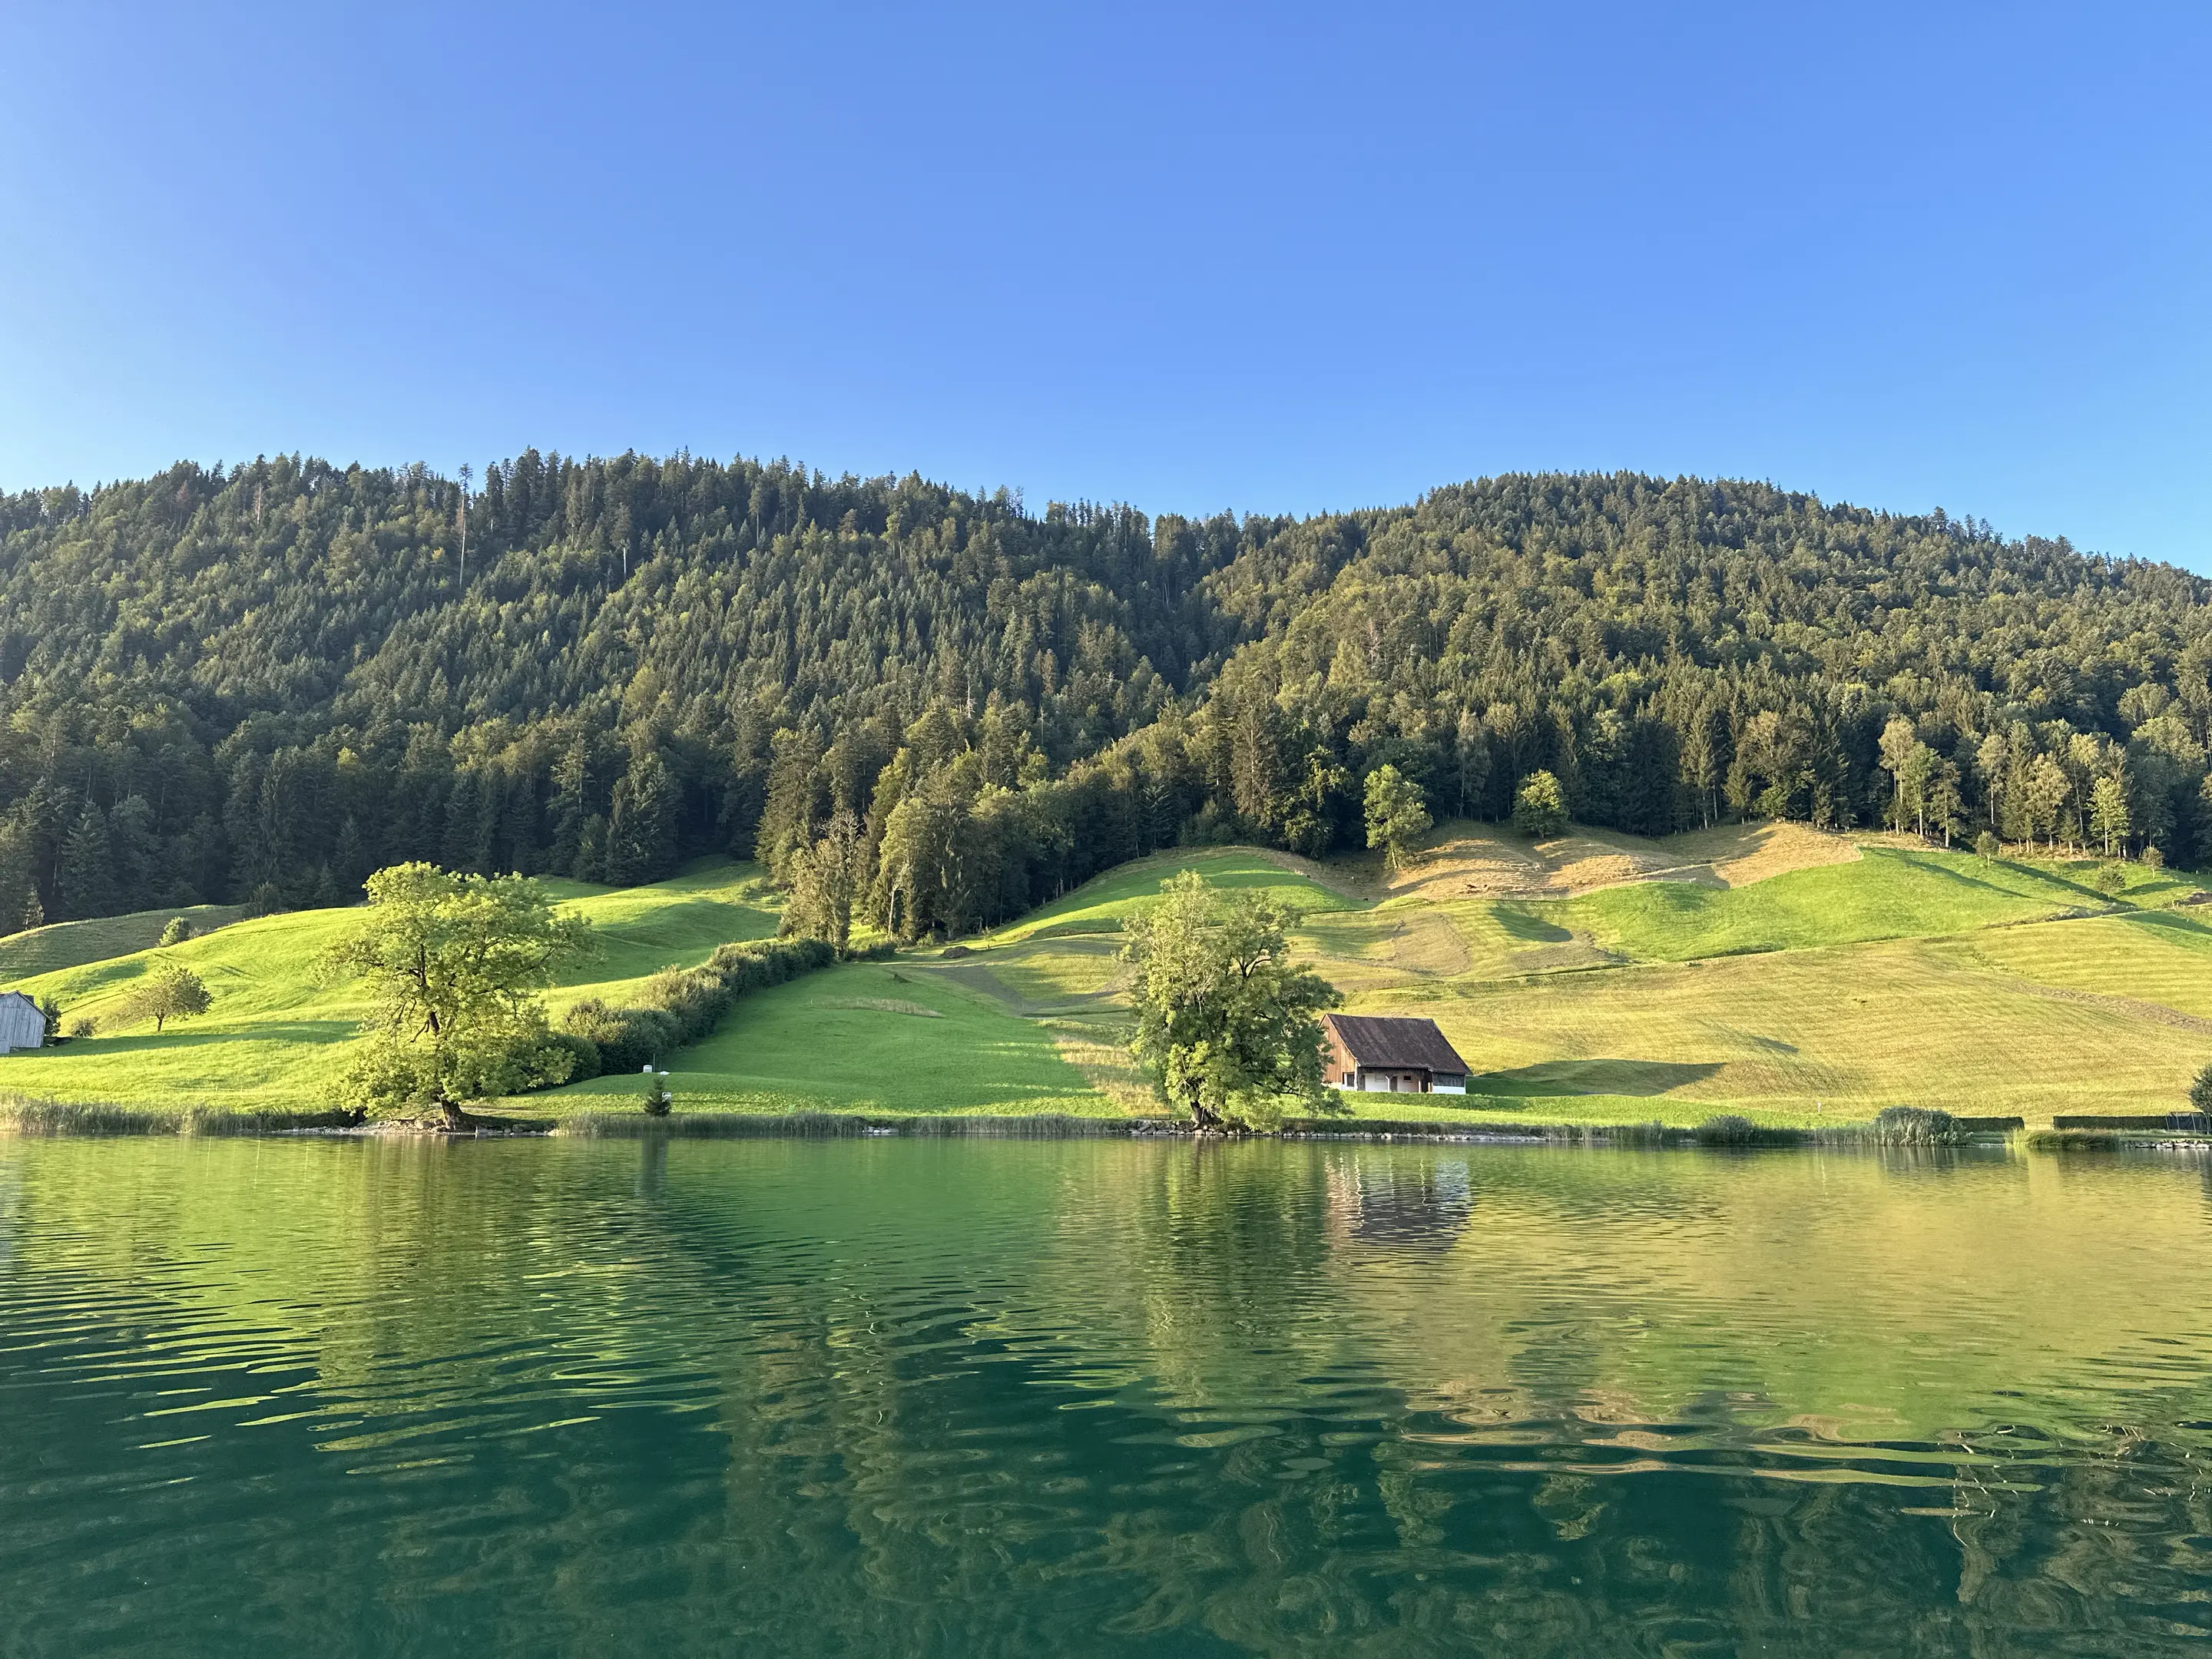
x: 86, y: 881
x: 2109, y: 820
x: 591, y: 851
x: 457, y: 846
x: 1471, y: 752
x: 642, y: 837
x: 18, y: 877
x: 791, y: 815
x: 349, y: 861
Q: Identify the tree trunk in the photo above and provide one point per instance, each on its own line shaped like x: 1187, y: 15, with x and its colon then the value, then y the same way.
x: 1205, y: 1118
x: 456, y: 1119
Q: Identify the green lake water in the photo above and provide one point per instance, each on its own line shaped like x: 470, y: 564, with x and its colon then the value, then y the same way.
x: 340, y: 1397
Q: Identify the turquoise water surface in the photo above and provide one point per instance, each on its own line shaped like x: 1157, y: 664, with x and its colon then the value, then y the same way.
x: 884, y: 1396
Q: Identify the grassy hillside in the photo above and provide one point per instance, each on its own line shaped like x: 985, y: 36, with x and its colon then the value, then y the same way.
x: 72, y: 943
x: 1795, y: 978
x: 1029, y: 1019
x: 1887, y: 894
x: 275, y: 1036
x: 871, y: 1037
x: 1097, y: 907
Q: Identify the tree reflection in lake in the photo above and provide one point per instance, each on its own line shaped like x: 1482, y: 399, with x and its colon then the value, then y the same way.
x: 1082, y: 1397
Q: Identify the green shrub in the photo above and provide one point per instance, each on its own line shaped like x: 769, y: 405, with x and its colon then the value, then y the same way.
x: 584, y: 1053
x: 1917, y: 1126
x: 592, y: 1020
x: 177, y: 931
x: 684, y: 1005
x: 1726, y: 1130
x: 1986, y: 845
x: 2200, y: 1092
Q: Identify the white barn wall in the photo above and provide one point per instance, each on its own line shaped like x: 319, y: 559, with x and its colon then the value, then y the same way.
x: 21, y: 1025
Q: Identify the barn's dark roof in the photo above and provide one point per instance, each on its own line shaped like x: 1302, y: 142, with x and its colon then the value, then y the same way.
x: 1391, y: 1040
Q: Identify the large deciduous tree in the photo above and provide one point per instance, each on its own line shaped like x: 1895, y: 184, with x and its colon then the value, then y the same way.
x: 826, y: 880
x: 454, y: 963
x: 1226, y: 1021
x: 1397, y: 814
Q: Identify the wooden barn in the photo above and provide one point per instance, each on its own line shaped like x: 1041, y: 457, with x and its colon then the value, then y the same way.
x: 21, y: 1024
x: 1390, y: 1053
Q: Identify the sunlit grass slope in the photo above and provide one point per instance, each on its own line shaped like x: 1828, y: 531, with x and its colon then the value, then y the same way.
x: 1099, y: 906
x: 72, y: 943
x: 1798, y: 983
x: 277, y: 1034
x: 1026, y: 1020
x: 868, y: 1036
x: 1844, y: 982
x: 1888, y: 894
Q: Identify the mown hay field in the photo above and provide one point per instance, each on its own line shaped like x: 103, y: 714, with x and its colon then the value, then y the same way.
x: 1793, y: 978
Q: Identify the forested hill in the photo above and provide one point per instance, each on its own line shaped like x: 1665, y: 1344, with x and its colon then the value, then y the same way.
x: 257, y: 684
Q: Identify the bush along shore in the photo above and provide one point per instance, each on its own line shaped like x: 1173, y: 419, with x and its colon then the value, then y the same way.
x: 1900, y: 1126
x: 681, y: 1004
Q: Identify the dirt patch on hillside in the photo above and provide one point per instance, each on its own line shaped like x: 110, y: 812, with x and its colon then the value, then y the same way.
x: 1488, y: 862
x: 1741, y: 853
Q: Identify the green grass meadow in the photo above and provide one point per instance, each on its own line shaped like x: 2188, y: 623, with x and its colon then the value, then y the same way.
x: 871, y: 1037
x: 1812, y: 997
x: 72, y: 943
x: 275, y: 1035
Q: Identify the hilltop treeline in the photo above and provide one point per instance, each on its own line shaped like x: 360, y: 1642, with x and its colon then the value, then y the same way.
x: 257, y: 684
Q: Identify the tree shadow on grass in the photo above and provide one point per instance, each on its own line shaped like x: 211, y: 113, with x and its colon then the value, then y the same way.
x: 320, y: 1031
x: 1596, y: 1077
x: 2194, y: 928
x: 2043, y: 878
x: 1532, y: 929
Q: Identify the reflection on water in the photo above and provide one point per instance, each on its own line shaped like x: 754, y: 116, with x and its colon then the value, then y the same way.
x: 1081, y: 1397
x: 1412, y: 1203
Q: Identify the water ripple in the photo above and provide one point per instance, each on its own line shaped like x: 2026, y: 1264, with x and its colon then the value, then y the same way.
x: 914, y: 1398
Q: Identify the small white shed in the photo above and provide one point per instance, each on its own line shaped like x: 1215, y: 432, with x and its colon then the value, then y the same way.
x: 21, y: 1024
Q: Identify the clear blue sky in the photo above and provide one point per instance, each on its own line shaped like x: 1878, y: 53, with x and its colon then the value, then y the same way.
x: 1266, y: 258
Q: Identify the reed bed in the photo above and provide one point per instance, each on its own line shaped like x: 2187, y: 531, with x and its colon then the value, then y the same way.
x: 741, y: 1125
x: 23, y: 1116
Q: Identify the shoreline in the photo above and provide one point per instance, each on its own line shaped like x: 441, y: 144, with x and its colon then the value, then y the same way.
x: 48, y: 1120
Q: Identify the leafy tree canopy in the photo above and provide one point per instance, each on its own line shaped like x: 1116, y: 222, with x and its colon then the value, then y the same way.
x: 1539, y: 807
x: 453, y: 964
x: 171, y: 992
x: 1226, y: 1021
x: 1397, y: 813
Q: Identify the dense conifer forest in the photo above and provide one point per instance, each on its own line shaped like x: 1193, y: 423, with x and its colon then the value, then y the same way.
x: 934, y: 708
